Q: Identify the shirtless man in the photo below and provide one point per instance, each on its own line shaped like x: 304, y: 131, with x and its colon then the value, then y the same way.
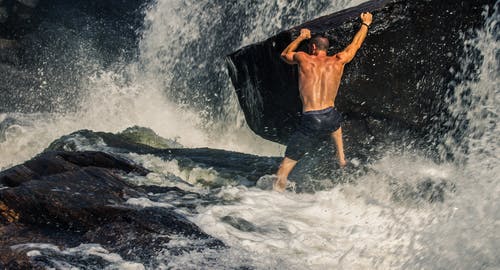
x: 319, y: 80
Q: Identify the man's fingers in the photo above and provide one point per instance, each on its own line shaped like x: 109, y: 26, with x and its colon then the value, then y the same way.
x: 305, y: 32
x: 366, y: 16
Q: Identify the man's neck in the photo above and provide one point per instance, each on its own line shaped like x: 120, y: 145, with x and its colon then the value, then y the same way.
x: 320, y: 53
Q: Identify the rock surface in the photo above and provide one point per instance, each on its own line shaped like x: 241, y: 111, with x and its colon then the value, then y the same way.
x: 70, y: 198
x: 398, y: 78
x: 224, y: 165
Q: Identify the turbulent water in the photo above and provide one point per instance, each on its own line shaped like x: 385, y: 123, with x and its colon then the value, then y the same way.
x: 375, y: 223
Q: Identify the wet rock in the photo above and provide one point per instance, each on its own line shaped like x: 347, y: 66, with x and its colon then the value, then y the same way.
x: 88, y: 138
x: 240, y: 224
x: 226, y: 165
x: 399, y: 77
x: 15, y: 233
x: 54, y: 163
x: 29, y: 3
x: 425, y: 190
x: 70, y: 198
x: 148, y: 137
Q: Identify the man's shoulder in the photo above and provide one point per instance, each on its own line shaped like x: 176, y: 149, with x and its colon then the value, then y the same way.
x: 301, y: 57
x: 301, y: 54
x: 335, y: 58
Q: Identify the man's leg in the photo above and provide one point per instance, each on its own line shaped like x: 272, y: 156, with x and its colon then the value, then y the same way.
x: 337, y: 138
x: 285, y: 168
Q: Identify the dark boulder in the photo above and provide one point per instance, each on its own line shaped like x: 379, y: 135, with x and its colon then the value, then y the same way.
x: 55, y: 163
x: 70, y: 198
x: 397, y: 80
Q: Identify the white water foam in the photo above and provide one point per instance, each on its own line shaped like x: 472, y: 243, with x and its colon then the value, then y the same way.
x: 358, y: 226
x: 348, y: 227
x: 114, y: 260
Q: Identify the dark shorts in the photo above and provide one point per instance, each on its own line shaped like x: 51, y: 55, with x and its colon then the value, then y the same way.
x: 315, y: 126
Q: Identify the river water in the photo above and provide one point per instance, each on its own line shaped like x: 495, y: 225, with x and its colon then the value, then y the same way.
x: 373, y: 223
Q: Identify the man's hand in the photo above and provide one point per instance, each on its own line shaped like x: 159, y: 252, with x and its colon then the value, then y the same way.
x: 305, y: 33
x: 366, y: 17
x: 349, y: 52
x: 288, y: 54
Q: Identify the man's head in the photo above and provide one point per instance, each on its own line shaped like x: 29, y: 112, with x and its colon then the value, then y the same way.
x: 318, y: 43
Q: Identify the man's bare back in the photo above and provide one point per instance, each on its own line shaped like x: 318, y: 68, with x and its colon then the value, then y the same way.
x: 319, y: 80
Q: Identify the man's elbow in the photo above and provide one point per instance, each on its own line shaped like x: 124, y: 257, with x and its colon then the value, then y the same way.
x: 284, y: 57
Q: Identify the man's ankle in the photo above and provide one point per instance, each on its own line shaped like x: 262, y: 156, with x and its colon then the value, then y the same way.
x: 342, y: 163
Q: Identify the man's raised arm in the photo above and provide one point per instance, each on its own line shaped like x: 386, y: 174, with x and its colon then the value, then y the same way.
x: 350, y: 51
x: 288, y: 54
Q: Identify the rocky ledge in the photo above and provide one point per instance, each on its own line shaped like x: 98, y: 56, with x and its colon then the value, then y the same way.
x: 69, y: 198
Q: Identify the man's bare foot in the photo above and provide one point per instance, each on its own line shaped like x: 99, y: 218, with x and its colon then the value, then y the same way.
x: 279, y: 185
x: 342, y: 163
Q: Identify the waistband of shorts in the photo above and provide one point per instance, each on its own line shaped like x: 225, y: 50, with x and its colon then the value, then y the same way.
x: 322, y: 111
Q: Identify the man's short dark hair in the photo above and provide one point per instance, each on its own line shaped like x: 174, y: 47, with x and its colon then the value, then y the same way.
x: 321, y: 42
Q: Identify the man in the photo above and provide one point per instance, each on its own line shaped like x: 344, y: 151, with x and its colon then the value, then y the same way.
x: 319, y: 80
